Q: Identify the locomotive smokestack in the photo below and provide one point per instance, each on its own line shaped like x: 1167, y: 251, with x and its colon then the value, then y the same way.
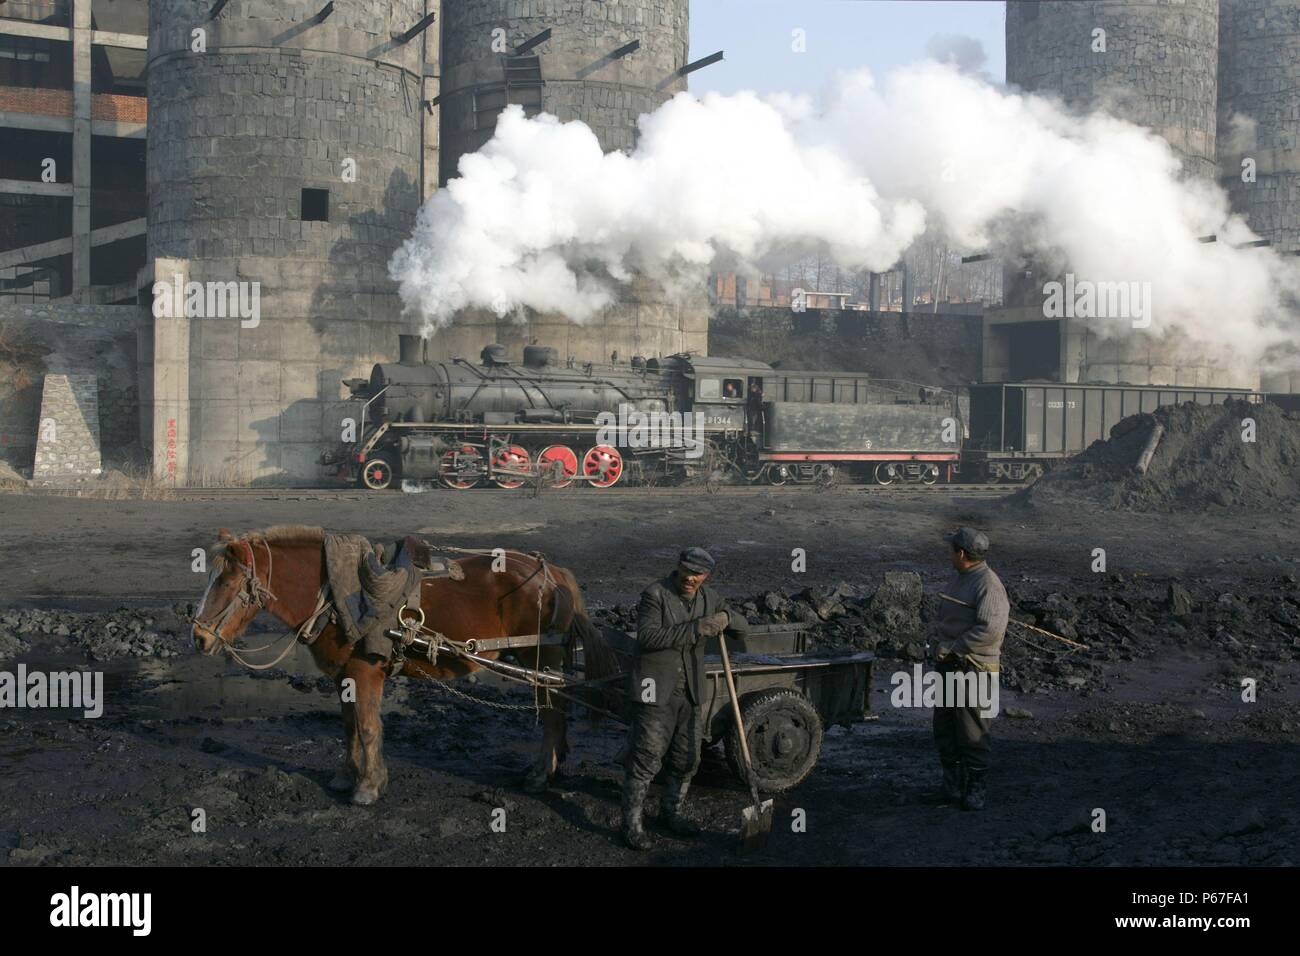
x: 410, y: 349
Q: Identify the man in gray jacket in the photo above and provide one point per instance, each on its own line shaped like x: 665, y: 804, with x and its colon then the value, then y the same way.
x: 973, y: 617
x: 675, y: 618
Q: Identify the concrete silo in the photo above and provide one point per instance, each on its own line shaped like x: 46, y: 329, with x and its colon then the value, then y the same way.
x: 1259, y: 114
x: 604, y: 64
x: 1154, y: 63
x: 1159, y: 67
x: 284, y: 149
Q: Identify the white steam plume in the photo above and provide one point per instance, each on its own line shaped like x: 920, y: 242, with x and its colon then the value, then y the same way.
x: 539, y: 217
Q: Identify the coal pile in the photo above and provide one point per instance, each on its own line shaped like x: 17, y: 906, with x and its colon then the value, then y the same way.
x: 148, y: 632
x: 1202, y: 462
x: 1122, y: 618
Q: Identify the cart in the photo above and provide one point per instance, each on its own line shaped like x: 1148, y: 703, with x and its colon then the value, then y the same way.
x: 788, y: 697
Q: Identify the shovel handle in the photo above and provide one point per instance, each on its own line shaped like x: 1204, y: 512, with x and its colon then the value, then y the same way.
x: 735, y: 709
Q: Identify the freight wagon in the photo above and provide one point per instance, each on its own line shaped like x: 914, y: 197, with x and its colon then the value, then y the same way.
x: 1018, y: 431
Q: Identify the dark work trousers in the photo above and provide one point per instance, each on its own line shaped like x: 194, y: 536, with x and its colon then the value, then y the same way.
x: 668, y: 734
x: 961, y: 734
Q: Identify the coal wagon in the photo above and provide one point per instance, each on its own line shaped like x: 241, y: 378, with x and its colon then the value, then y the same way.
x: 1018, y: 430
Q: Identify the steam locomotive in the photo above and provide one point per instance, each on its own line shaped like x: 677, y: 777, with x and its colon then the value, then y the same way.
x: 653, y: 420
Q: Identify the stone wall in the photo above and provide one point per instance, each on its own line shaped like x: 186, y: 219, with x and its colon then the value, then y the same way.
x: 67, y: 448
x: 41, y: 339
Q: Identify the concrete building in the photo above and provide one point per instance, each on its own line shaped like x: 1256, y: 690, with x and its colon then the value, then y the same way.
x: 285, y: 152
x: 1182, y: 69
x: 286, y: 145
x: 604, y: 64
x: 285, y: 156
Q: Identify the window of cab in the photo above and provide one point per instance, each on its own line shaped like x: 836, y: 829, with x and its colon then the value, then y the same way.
x: 726, y: 389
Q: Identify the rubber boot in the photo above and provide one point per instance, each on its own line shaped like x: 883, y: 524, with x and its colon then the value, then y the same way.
x: 634, y: 794
x: 973, y: 796
x: 953, y: 786
x: 673, y: 801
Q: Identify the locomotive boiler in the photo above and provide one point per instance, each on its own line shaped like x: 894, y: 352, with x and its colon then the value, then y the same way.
x: 653, y: 420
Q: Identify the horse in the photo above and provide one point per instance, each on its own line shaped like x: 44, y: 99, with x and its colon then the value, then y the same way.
x: 282, y: 570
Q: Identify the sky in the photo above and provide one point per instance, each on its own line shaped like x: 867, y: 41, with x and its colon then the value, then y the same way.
x: 757, y: 37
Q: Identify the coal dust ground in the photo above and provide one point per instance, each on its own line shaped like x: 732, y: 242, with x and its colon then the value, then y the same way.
x: 1147, y: 726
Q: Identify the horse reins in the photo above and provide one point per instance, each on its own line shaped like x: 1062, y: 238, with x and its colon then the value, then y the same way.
x: 253, y: 592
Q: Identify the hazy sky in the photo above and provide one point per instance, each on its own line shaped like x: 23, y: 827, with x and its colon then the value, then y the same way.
x: 756, y: 36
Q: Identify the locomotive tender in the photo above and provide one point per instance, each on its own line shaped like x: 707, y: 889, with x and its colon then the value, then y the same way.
x: 507, y: 423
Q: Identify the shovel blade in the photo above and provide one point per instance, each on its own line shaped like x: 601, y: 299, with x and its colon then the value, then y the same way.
x: 755, y: 825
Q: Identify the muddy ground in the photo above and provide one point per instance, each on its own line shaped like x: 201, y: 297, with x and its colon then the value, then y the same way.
x: 1154, y: 731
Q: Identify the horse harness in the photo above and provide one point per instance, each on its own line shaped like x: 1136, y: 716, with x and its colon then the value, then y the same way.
x: 410, y: 632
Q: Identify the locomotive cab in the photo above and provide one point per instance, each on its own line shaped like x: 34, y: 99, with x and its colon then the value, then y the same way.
x: 720, y: 391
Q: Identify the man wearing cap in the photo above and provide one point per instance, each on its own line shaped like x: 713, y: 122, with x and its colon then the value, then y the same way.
x: 973, y: 616
x: 675, y: 618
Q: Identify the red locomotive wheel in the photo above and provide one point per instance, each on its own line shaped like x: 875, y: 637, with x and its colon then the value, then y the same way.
x: 565, y: 457
x: 604, y: 464
x: 516, y: 459
x: 467, y: 463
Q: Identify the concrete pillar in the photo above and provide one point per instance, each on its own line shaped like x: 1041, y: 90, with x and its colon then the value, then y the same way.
x: 81, y: 31
x: 873, y: 292
x: 1074, y: 350
x: 172, y: 431
x: 431, y: 85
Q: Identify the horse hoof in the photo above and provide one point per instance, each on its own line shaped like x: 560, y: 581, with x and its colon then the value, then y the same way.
x: 536, y: 783
x: 364, y: 798
x: 341, y: 782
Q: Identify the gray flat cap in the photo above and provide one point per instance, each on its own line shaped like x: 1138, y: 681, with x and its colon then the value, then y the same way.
x: 975, y: 543
x: 696, y: 559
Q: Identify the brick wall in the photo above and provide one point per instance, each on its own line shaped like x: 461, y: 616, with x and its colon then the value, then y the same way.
x: 103, y: 106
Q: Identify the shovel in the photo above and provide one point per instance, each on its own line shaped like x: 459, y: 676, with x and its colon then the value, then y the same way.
x: 755, y: 821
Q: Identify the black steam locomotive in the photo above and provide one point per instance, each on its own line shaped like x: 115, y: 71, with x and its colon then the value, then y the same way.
x: 653, y: 420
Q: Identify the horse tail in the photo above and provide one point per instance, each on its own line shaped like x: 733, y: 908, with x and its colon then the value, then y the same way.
x: 600, y: 657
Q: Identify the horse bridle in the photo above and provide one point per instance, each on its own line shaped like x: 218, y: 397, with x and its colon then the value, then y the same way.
x: 252, y: 592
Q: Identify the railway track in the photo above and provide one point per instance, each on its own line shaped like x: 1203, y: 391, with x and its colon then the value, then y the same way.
x: 721, y: 491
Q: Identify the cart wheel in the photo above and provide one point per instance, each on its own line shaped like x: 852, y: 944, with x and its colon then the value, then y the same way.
x: 377, y: 472
x: 930, y: 475
x: 604, y: 464
x: 784, y: 733
x: 885, y: 473
x: 515, y: 458
x: 568, y: 464
x: 455, y: 463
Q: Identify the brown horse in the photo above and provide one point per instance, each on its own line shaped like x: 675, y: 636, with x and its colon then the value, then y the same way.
x: 282, y: 570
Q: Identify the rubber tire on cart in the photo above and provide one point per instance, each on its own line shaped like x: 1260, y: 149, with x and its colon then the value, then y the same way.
x: 784, y: 733
x: 374, y: 462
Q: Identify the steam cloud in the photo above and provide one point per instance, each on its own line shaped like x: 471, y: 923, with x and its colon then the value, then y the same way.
x: 541, y: 218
